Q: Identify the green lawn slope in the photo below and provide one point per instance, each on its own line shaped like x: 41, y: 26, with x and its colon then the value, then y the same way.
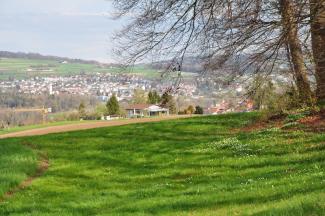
x: 26, y: 68
x: 197, y: 166
x: 17, y: 163
x: 37, y: 126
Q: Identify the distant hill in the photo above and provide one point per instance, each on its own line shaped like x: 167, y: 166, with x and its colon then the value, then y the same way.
x: 196, y: 64
x: 19, y: 65
x: 190, y: 64
x: 37, y: 56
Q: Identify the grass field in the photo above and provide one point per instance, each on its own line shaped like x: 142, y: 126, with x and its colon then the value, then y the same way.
x: 197, y: 166
x: 18, y: 69
x: 37, y: 126
x: 17, y: 162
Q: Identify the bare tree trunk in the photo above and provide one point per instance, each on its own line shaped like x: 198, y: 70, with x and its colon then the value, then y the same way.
x: 317, y: 10
x: 291, y: 31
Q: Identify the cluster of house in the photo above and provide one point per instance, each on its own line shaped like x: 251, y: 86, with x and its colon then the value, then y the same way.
x: 96, y: 85
x: 150, y: 110
x: 101, y: 85
x: 226, y: 107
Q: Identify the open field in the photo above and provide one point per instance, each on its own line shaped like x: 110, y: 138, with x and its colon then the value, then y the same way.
x: 18, y: 69
x: 26, y: 68
x: 195, y: 166
x: 66, y: 126
x: 31, y: 127
x: 17, y: 162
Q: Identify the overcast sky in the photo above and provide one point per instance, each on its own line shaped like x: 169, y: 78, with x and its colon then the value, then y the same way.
x: 67, y: 28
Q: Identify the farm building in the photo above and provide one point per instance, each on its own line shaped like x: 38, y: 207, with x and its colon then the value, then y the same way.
x: 145, y: 110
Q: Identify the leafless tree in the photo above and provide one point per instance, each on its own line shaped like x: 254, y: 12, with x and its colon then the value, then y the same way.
x: 317, y: 11
x: 259, y: 35
x: 290, y: 24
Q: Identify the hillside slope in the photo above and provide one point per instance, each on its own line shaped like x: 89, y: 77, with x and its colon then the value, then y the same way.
x: 23, y: 68
x: 197, y: 166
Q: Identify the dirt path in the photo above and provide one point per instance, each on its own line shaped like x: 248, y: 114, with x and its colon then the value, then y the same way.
x: 84, y: 126
x: 42, y: 167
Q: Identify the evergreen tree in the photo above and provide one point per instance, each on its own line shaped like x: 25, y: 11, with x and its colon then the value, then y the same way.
x: 172, y: 106
x: 153, y: 97
x: 198, y: 110
x: 151, y: 100
x: 82, y: 110
x: 156, y: 96
x: 167, y: 101
x: 113, y: 107
x: 164, y: 99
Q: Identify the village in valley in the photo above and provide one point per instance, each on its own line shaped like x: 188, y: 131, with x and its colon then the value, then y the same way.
x: 102, y: 86
x: 162, y: 107
x: 193, y: 91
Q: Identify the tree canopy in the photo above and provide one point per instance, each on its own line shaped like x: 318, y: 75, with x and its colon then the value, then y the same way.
x: 167, y: 101
x: 139, y: 96
x: 113, y: 107
x: 153, y: 97
x: 240, y: 36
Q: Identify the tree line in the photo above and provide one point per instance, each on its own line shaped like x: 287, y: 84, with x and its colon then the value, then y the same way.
x: 165, y: 100
x: 58, y: 103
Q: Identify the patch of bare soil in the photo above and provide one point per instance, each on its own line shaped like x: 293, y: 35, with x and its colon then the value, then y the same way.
x: 314, y: 123
x: 276, y: 121
x: 253, y: 127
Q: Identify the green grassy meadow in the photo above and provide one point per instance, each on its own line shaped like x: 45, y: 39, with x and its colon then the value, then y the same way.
x: 196, y: 166
x: 17, y: 163
x: 18, y: 69
x: 37, y: 126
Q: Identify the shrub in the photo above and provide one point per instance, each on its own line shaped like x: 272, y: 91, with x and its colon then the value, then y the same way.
x: 198, y: 110
x: 92, y: 116
x: 181, y: 112
x: 82, y: 110
x: 190, y: 109
x: 295, y: 117
x: 73, y: 116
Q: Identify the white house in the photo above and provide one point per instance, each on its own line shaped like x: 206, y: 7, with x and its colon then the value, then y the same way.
x: 145, y: 110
